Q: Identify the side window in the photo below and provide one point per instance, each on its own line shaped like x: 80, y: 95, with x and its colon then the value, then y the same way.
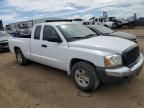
x: 37, y: 32
x: 49, y: 32
x: 100, y: 20
x: 96, y: 20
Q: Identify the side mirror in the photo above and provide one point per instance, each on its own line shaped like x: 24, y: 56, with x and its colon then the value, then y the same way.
x: 53, y: 39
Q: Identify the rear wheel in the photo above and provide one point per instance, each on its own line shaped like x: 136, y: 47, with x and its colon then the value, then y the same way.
x: 84, y: 76
x: 20, y: 57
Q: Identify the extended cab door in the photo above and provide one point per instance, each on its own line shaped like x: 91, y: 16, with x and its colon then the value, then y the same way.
x: 52, y: 51
x: 35, y: 44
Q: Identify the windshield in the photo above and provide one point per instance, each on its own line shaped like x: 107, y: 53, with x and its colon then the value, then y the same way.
x: 103, y: 29
x: 76, y: 32
x: 3, y: 34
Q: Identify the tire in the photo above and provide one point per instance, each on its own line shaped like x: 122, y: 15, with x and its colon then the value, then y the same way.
x: 85, y: 77
x: 20, y: 58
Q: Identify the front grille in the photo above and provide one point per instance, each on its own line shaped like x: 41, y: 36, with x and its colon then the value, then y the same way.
x: 130, y: 56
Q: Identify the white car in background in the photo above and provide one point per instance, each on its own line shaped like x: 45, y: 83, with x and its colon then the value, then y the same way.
x: 4, y: 40
x: 80, y: 21
x: 101, y: 21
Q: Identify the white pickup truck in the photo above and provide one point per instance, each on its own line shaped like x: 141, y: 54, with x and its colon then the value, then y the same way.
x: 88, y: 58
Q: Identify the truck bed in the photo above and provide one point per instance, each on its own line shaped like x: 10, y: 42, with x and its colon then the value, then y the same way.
x: 22, y: 42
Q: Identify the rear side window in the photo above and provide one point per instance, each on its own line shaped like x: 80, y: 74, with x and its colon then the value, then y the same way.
x: 37, y: 32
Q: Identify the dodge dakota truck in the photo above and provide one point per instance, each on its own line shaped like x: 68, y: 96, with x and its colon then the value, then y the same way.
x: 88, y: 58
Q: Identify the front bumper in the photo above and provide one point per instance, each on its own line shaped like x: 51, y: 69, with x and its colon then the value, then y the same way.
x: 125, y: 71
x: 121, y: 74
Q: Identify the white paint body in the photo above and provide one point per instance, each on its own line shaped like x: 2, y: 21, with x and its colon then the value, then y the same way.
x: 60, y: 55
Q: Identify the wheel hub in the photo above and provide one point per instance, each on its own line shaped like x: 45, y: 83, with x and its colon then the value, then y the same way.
x: 82, y: 78
x: 19, y: 58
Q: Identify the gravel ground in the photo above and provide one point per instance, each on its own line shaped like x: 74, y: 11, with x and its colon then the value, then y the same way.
x: 39, y: 86
x: 136, y: 31
x: 141, y: 44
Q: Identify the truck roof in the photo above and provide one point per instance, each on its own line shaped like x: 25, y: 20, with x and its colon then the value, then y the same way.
x: 56, y: 23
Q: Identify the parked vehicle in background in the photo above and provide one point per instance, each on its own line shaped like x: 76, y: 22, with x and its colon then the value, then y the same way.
x: 90, y: 59
x: 105, y: 31
x: 25, y: 26
x: 80, y: 21
x: 77, y: 20
x: 101, y: 21
x: 4, y: 40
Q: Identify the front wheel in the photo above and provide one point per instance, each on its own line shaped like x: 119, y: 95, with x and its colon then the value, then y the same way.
x: 20, y: 57
x: 85, y: 76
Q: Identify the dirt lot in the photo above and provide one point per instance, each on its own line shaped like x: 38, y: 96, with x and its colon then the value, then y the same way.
x: 137, y: 31
x: 39, y: 86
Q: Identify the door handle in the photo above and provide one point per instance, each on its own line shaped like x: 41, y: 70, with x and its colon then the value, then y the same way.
x: 45, y: 46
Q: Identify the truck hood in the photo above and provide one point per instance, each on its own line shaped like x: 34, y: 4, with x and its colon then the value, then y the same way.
x: 104, y: 43
x: 124, y: 35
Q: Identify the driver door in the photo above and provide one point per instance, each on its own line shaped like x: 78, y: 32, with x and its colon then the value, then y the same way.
x: 54, y: 53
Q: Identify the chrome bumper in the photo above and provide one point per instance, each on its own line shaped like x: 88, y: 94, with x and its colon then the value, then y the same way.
x: 125, y: 71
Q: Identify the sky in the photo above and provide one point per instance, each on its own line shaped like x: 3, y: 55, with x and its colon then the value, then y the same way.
x: 21, y: 10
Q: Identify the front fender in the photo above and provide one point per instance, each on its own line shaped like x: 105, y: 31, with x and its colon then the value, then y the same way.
x: 95, y: 57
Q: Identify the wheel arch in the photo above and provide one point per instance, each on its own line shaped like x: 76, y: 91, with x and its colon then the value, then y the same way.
x: 16, y: 48
x: 76, y: 60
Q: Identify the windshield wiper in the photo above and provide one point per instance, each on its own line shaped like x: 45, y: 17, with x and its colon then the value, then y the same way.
x: 84, y: 37
x: 89, y: 36
x: 110, y: 33
x: 75, y: 38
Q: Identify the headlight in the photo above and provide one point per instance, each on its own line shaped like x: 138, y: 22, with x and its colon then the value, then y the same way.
x: 113, y: 60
